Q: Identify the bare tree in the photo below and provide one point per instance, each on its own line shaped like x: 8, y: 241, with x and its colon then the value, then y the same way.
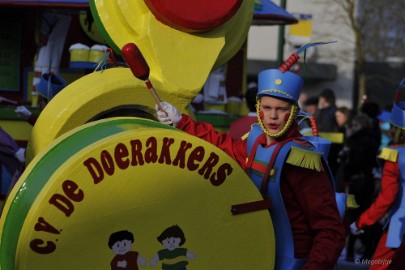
x: 357, y: 25
x: 378, y: 28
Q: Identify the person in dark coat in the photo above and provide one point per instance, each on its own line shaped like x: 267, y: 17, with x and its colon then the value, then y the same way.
x: 361, y: 151
x: 326, y: 120
x: 325, y: 115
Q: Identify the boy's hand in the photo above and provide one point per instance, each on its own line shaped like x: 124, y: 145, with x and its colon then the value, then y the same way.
x: 170, y: 115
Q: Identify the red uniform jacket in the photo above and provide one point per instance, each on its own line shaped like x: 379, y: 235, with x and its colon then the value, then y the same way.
x: 386, y: 197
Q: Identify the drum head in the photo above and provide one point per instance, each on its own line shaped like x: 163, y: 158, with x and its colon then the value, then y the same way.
x: 133, y: 181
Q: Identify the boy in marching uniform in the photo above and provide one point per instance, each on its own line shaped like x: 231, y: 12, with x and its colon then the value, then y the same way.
x: 287, y: 169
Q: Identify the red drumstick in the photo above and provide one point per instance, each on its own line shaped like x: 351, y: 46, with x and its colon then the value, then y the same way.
x: 135, y: 61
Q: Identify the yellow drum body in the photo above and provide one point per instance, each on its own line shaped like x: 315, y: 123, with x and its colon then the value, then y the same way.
x: 136, y: 175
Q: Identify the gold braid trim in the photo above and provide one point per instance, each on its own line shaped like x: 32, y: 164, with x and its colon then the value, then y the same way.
x: 278, y: 92
x: 294, y: 110
x: 388, y: 154
x: 305, y: 159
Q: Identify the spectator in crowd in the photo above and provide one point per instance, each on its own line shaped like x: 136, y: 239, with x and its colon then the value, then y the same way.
x: 359, y: 161
x: 325, y: 116
x: 343, y: 119
x: 342, y: 115
x: 326, y: 120
x: 311, y: 105
x: 372, y: 110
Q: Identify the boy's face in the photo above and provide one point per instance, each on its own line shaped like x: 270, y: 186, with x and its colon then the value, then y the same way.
x: 275, y: 113
x: 121, y: 247
x: 171, y: 243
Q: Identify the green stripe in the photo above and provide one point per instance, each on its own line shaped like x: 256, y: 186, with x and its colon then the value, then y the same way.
x: 257, y: 172
x: 46, y: 166
x: 100, y: 25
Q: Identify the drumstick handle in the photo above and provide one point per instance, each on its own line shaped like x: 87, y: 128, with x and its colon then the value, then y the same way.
x: 153, y: 93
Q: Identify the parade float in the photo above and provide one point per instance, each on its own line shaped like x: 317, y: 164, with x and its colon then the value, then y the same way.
x: 104, y: 180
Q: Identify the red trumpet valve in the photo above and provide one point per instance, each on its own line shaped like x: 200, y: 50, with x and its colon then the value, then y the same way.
x: 135, y: 61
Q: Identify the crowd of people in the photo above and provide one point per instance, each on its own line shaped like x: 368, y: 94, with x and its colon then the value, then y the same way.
x: 364, y: 170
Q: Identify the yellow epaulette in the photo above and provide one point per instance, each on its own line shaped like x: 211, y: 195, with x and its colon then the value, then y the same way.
x: 305, y: 159
x: 388, y: 154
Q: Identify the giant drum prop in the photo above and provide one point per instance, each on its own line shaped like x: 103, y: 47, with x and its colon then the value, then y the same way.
x: 135, y: 175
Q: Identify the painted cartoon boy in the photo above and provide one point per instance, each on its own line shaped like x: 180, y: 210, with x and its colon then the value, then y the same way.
x: 172, y: 257
x: 121, y: 242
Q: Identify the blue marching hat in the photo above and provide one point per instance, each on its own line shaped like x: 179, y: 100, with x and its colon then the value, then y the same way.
x: 50, y: 85
x: 273, y: 82
x: 397, y: 116
x: 282, y: 83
